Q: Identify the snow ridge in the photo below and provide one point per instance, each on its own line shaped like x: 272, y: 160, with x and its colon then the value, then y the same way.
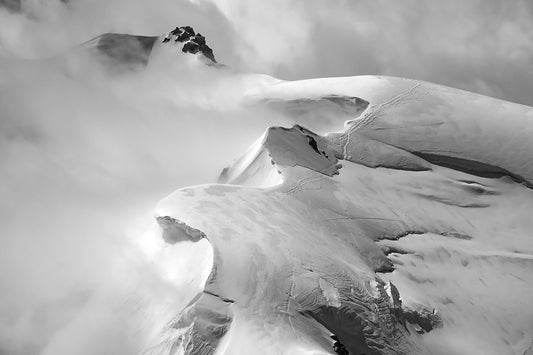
x: 312, y: 256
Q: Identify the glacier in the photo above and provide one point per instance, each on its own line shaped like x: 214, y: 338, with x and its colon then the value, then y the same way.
x: 407, y: 231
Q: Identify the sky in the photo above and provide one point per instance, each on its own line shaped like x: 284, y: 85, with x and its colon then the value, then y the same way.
x: 85, y: 154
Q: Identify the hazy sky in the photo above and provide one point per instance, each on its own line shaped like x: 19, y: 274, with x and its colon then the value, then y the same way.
x: 480, y: 45
x: 85, y: 155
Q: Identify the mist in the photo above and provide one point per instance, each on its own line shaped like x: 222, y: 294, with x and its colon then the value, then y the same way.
x: 481, y: 46
x: 86, y: 151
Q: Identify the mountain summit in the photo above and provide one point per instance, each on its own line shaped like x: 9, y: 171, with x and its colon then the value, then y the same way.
x: 126, y: 50
x: 192, y: 42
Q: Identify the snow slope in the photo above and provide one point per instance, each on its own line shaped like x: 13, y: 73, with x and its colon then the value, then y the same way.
x: 406, y: 232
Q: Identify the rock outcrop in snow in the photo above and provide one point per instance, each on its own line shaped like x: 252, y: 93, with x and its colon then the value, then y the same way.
x: 192, y: 42
x: 124, y: 50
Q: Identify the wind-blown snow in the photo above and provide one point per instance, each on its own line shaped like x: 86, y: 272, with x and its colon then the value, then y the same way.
x: 388, y: 252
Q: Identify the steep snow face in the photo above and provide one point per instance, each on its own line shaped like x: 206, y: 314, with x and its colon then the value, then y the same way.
x: 254, y: 168
x: 419, y: 243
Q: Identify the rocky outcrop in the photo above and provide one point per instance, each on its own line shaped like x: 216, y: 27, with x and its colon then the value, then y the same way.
x: 126, y: 51
x: 175, y: 231
x: 192, y: 42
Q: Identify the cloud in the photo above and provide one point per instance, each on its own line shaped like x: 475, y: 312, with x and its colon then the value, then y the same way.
x: 86, y: 153
x: 482, y: 46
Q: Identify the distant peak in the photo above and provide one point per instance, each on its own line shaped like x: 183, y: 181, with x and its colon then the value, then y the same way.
x: 192, y: 42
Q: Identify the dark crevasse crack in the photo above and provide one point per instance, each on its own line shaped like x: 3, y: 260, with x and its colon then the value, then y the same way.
x: 406, y: 233
x: 313, y: 144
x: 388, y: 249
x: 456, y: 235
x: 388, y: 267
x: 472, y: 167
x: 451, y: 234
x: 223, y: 299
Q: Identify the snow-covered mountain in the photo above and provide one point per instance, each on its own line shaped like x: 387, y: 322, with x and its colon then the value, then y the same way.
x: 393, y: 217
x: 407, y: 231
x: 127, y: 50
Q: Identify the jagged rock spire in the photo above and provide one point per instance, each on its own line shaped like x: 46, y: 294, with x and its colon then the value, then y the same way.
x: 193, y: 42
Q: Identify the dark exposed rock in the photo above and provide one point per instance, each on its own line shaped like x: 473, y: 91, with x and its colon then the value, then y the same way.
x: 362, y: 323
x: 191, y: 47
x: 424, y: 319
x: 185, y: 35
x: 312, y: 143
x: 200, y: 39
x: 182, y: 34
x: 192, y: 42
x: 338, y: 347
x: 175, y: 231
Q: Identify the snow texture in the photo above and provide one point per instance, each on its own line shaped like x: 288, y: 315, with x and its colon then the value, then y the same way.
x: 419, y: 243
